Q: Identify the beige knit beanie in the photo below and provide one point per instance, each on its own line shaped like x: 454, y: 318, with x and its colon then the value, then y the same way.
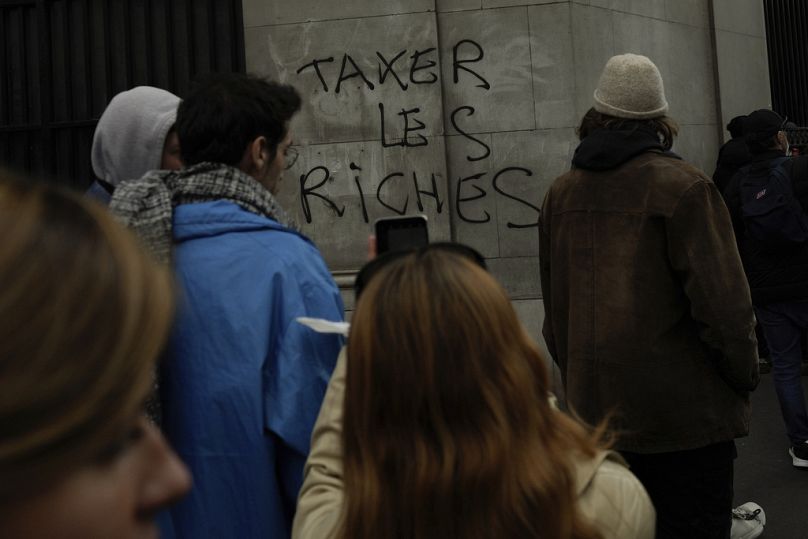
x: 631, y: 87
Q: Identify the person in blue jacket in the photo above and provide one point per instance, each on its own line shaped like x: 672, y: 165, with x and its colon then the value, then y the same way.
x: 243, y: 381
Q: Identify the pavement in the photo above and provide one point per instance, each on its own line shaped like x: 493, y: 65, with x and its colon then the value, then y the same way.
x: 763, y: 470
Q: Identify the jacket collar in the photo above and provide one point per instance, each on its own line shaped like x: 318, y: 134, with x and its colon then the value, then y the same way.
x: 585, y: 470
x: 766, y: 156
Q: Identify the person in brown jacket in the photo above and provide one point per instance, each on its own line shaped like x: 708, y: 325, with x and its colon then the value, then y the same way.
x: 648, y: 313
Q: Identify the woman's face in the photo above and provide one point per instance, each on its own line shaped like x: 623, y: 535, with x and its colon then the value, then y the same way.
x: 118, y: 497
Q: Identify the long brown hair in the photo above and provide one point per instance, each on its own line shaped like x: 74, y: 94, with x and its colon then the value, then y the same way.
x: 448, y: 430
x: 665, y: 127
x: 84, y: 313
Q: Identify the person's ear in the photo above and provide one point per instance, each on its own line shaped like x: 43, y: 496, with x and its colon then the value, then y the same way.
x: 259, y: 152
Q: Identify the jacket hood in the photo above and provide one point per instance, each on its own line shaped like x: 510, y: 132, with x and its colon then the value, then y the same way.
x: 206, y: 219
x: 605, y: 149
x: 129, y: 137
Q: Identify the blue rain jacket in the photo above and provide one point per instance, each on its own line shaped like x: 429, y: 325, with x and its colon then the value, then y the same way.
x: 242, y: 382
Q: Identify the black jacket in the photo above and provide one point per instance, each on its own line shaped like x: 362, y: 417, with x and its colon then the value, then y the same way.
x: 773, y: 276
x: 732, y: 156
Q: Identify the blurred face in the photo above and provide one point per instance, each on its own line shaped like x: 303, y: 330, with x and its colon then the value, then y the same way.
x: 782, y: 142
x: 117, y: 497
x: 171, y: 152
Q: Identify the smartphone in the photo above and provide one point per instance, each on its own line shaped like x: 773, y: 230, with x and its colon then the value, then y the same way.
x: 400, y: 233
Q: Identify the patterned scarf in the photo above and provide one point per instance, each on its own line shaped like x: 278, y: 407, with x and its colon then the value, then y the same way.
x: 147, y: 205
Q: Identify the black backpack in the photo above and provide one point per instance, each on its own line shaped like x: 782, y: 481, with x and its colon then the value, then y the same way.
x: 771, y: 213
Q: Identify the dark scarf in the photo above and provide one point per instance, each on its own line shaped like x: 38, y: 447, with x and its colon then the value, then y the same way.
x: 605, y: 149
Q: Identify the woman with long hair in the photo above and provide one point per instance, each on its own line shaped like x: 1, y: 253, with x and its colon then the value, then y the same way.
x: 84, y: 314
x: 448, y: 430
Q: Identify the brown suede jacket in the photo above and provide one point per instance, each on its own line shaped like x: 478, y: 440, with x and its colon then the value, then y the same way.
x: 648, y: 312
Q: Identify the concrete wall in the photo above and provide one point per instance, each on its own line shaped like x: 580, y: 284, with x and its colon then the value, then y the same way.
x: 742, y: 61
x: 482, y: 96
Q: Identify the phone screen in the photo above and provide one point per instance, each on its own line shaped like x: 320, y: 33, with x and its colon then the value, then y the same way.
x: 400, y: 233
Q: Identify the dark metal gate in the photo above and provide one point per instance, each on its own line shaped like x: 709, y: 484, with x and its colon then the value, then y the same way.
x: 786, y: 30
x: 61, y: 61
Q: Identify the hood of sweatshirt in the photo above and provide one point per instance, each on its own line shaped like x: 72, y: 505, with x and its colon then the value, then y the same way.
x: 131, y: 133
x: 606, y: 149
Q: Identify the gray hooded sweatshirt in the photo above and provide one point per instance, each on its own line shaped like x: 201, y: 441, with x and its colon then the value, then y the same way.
x: 130, y: 136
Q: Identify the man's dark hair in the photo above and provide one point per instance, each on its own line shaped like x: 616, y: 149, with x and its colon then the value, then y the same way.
x: 736, y: 126
x: 224, y: 112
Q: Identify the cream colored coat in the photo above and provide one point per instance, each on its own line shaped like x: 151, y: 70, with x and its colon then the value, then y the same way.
x: 609, y: 495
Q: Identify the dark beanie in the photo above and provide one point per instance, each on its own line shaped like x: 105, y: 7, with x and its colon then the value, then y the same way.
x: 736, y: 126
